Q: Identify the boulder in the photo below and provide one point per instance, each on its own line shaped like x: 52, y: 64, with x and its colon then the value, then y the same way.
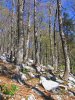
x: 30, y: 62
x: 38, y: 68
x: 3, y: 58
x: 72, y: 79
x: 59, y: 80
x: 41, y: 68
x: 31, y: 75
x: 31, y: 97
x: 48, y: 84
x: 23, y: 76
x: 70, y: 85
x: 50, y: 67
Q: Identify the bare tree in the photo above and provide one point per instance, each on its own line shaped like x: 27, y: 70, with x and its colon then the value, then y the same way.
x: 35, y: 35
x: 51, y: 36
x: 20, y: 31
x: 28, y: 38
x: 64, y: 44
x: 55, y: 44
x: 12, y: 32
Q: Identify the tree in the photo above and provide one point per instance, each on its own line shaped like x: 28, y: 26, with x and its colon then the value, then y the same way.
x: 51, y: 36
x: 28, y: 38
x: 64, y: 44
x: 35, y: 35
x: 20, y: 10
x: 68, y: 28
x: 12, y: 32
x: 55, y: 44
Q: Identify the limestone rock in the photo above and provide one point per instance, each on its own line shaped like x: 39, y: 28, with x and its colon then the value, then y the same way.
x: 31, y: 97
x: 50, y: 67
x: 48, y: 84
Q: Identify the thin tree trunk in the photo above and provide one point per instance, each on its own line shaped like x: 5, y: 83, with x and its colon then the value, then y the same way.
x: 55, y: 44
x: 40, y: 48
x: 28, y: 39
x: 24, y: 49
x: 12, y: 32
x: 51, y: 39
x: 46, y: 55
x: 35, y: 35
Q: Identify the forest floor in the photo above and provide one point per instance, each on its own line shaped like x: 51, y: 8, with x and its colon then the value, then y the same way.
x: 31, y: 88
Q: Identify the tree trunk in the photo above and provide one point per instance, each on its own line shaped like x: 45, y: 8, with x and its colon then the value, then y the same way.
x: 28, y: 38
x: 20, y: 31
x: 51, y: 38
x: 64, y: 44
x: 55, y: 45
x: 12, y: 32
x: 35, y: 35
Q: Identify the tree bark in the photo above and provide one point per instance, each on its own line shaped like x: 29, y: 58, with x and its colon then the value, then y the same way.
x: 64, y: 44
x: 35, y: 36
x: 55, y: 45
x: 20, y: 31
x: 28, y: 38
x: 51, y: 38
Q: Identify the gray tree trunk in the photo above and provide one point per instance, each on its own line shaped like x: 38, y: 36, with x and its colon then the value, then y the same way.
x: 12, y: 32
x: 51, y: 38
x: 20, y: 31
x: 55, y: 45
x: 64, y: 44
x: 35, y: 36
x: 28, y: 38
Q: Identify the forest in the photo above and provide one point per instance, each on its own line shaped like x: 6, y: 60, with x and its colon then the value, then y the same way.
x: 37, y: 50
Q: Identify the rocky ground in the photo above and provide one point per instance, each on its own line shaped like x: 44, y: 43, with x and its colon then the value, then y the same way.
x: 35, y: 82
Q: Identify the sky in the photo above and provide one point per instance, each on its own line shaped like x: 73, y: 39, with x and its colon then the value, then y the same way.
x: 68, y: 5
x: 65, y: 3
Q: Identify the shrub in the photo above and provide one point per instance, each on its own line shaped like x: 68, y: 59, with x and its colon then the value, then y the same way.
x: 9, y: 90
x: 25, y: 71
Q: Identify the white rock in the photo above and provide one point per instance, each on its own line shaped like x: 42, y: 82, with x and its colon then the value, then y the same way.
x: 23, y: 76
x: 31, y: 74
x: 31, y: 97
x: 72, y: 79
x: 59, y: 80
x: 71, y: 94
x: 59, y: 97
x: 3, y: 57
x: 48, y: 84
x: 24, y: 65
x: 70, y: 85
x: 31, y: 61
x: 22, y: 98
x: 50, y: 67
x: 38, y: 69
x: 13, y: 58
x: 30, y: 68
x: 29, y: 64
x: 41, y: 68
